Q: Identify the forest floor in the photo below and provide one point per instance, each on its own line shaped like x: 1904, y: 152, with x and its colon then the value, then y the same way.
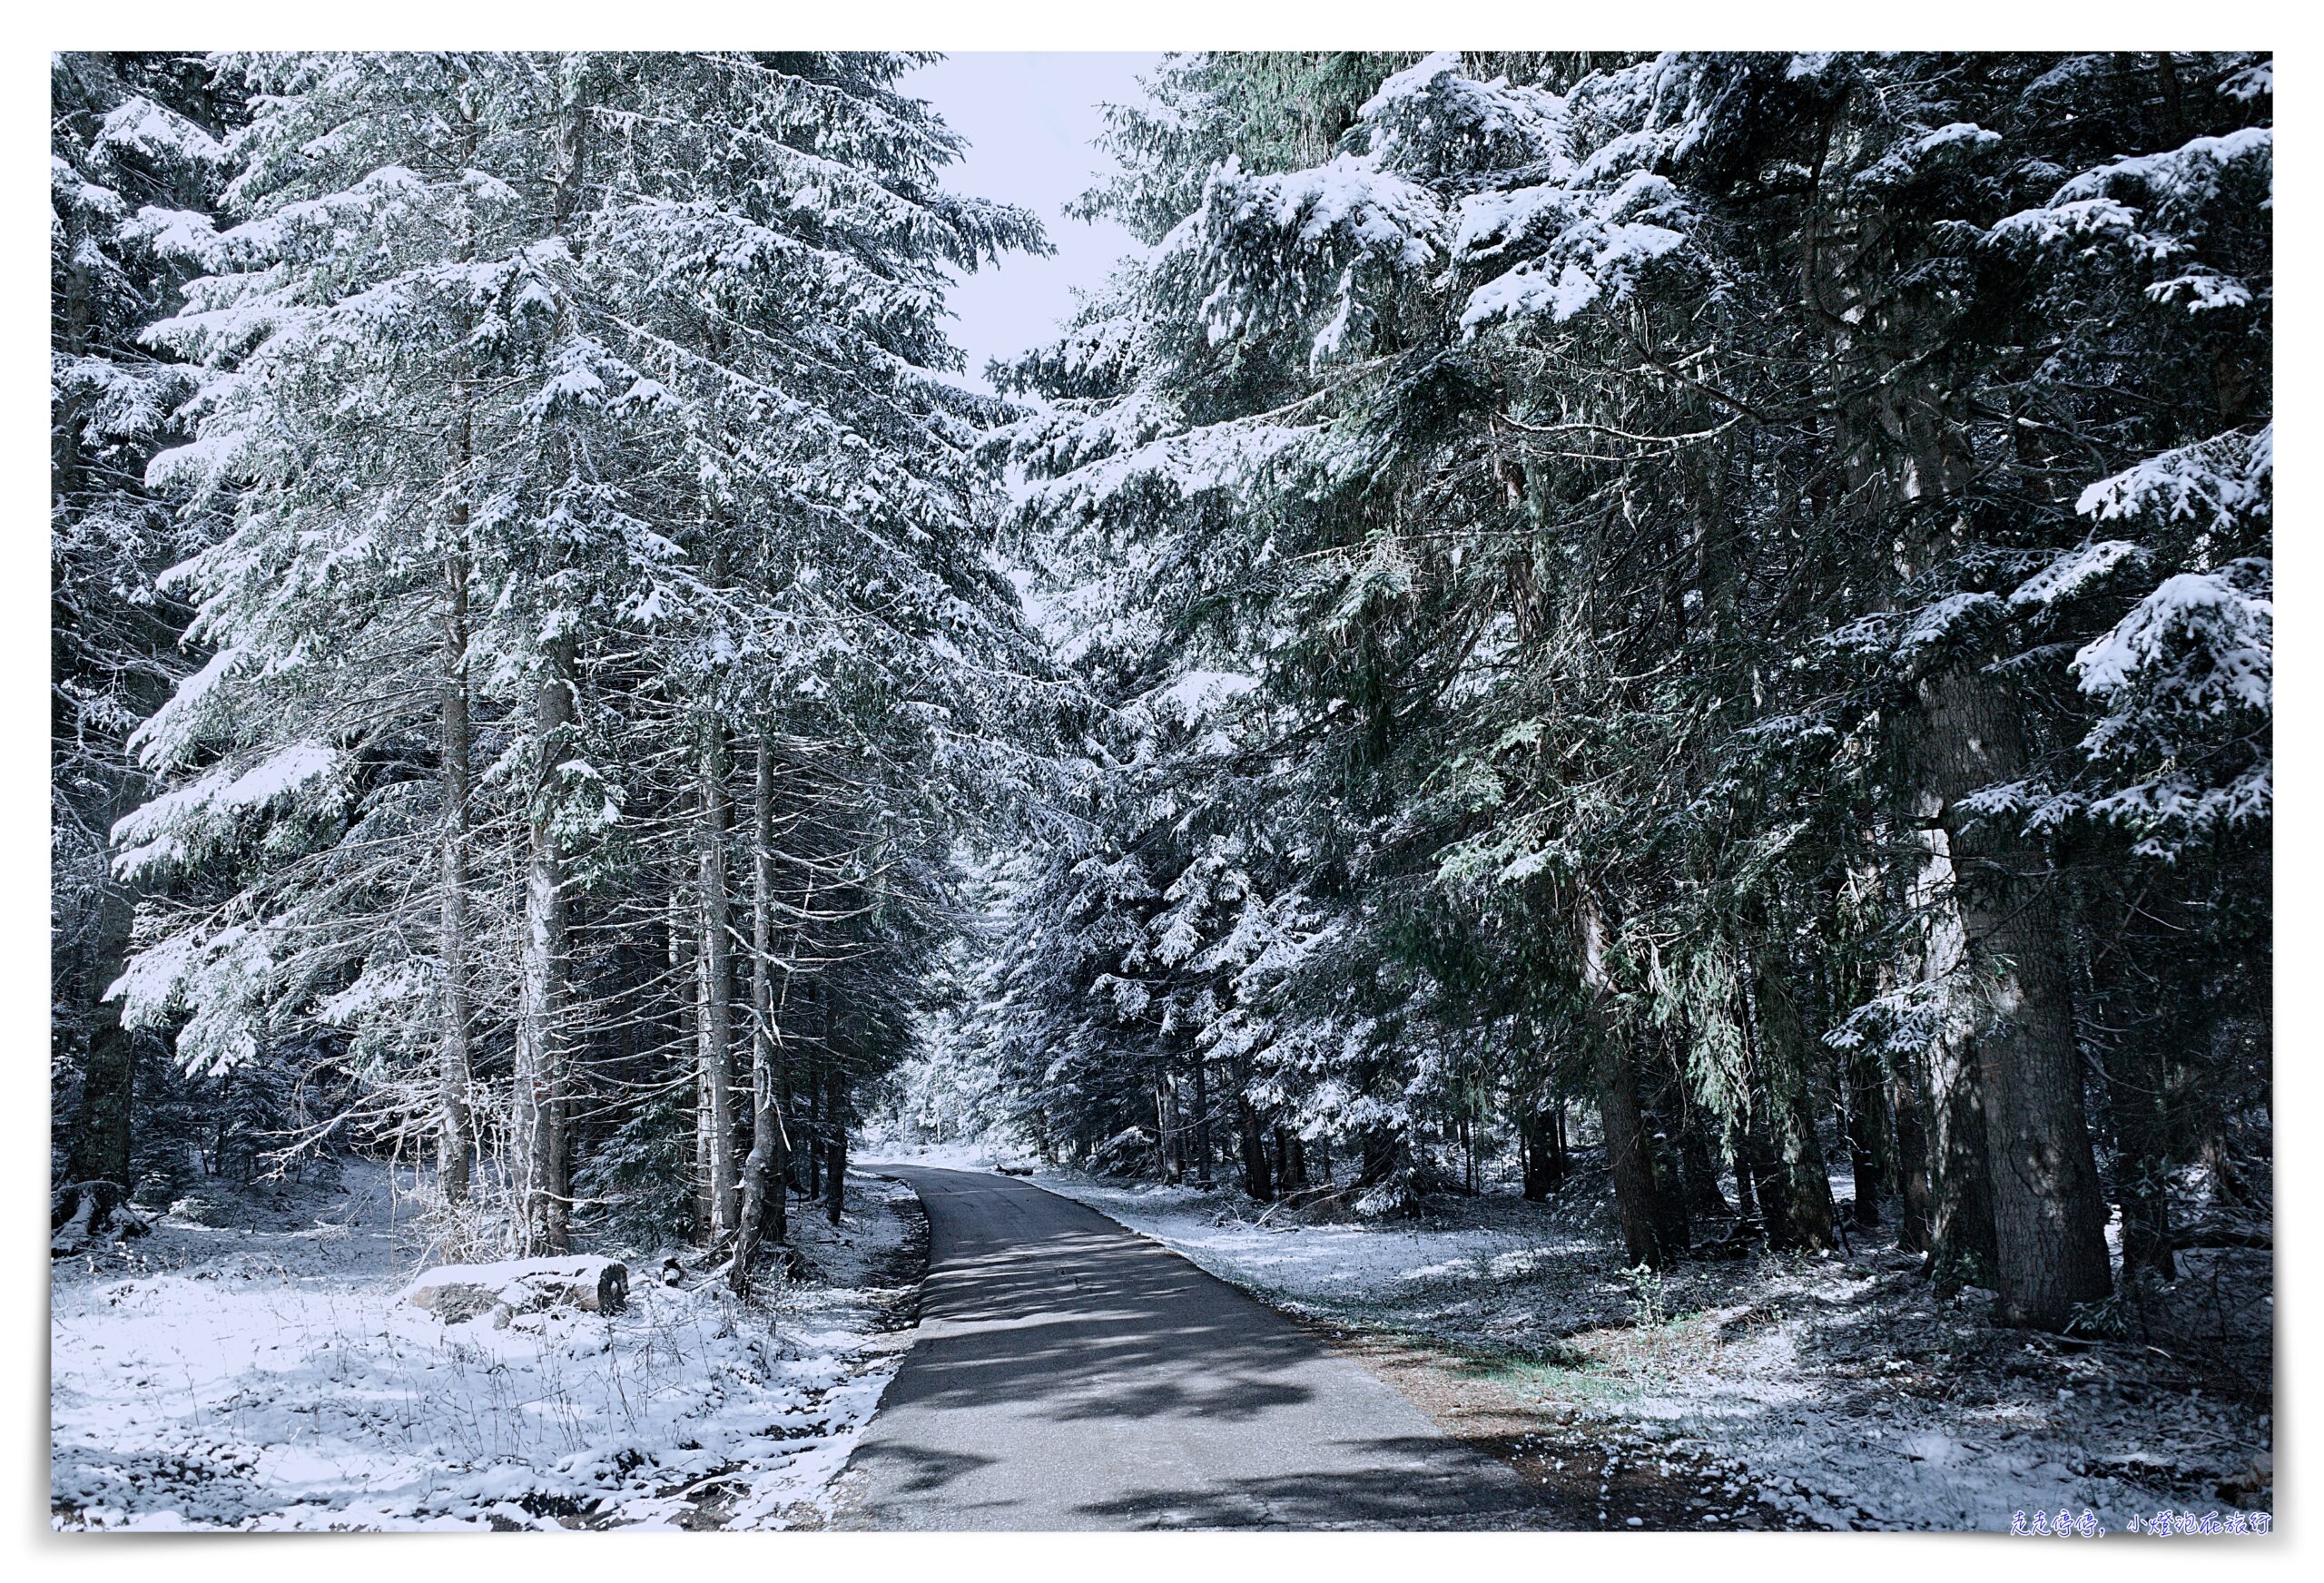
x: 1835, y: 1391
x: 248, y: 1364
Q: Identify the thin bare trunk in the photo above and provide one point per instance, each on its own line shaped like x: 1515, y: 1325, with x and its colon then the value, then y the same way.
x: 714, y: 1023
x: 835, y: 1139
x: 765, y: 1164
x: 1202, y: 1122
x: 456, y: 1136
x: 544, y: 1186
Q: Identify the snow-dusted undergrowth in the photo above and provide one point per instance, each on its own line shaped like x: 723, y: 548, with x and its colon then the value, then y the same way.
x: 1838, y: 1389
x: 262, y: 1374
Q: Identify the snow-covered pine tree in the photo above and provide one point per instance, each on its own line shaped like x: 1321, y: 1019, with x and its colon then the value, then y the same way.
x: 621, y: 378
x: 134, y: 155
x: 1636, y: 487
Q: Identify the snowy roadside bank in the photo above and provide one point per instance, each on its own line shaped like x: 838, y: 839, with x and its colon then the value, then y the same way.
x: 258, y: 1372
x: 1834, y: 1393
x: 967, y: 1155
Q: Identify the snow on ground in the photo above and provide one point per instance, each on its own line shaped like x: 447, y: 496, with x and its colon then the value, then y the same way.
x: 249, y: 1365
x: 1838, y: 1389
x: 963, y: 1155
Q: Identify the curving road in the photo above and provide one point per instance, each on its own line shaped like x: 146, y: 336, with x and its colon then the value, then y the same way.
x: 1070, y: 1375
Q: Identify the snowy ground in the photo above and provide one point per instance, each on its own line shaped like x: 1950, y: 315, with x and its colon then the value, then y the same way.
x: 248, y: 1365
x: 1830, y: 1392
x: 967, y: 1154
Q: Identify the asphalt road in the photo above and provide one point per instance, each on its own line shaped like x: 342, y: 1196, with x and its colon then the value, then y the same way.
x: 1070, y: 1375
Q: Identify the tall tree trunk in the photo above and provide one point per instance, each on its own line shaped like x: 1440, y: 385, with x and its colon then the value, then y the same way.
x: 1788, y: 1059
x: 835, y: 1139
x: 1903, y: 429
x: 1865, y: 1122
x: 764, y: 1164
x: 1699, y: 1171
x: 1535, y: 1156
x: 99, y: 1159
x: 456, y: 1132
x: 810, y: 1176
x: 1961, y: 1230
x: 1622, y: 1117
x: 1258, y: 1181
x: 1916, y: 1198
x: 1768, y: 1187
x: 1201, y: 1121
x: 715, y: 958
x: 1672, y: 1231
x: 1739, y: 1152
x: 544, y: 1187
x: 2049, y: 1215
x: 1960, y: 1249
x: 1169, y: 1155
x: 544, y: 1194
x: 685, y: 1000
x: 2141, y: 1168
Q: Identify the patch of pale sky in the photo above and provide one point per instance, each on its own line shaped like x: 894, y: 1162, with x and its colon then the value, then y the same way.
x: 1030, y: 119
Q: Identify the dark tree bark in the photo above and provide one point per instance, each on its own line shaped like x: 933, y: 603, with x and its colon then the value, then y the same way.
x: 1914, y: 1197
x: 1864, y: 1120
x: 2041, y: 1189
x: 1379, y: 1155
x: 1786, y: 1059
x: 1543, y: 1161
x: 1699, y: 1170
x: 1672, y: 1231
x: 98, y: 1161
x: 1181, y: 1134
x: 1622, y: 1117
x: 1747, y: 1198
x: 835, y: 1140
x: 1202, y: 1122
x: 1904, y: 427
x: 814, y: 1155
x: 685, y: 1008
x: 1258, y: 1180
x: 1960, y: 1239
x: 1769, y: 1188
x: 1960, y: 1232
